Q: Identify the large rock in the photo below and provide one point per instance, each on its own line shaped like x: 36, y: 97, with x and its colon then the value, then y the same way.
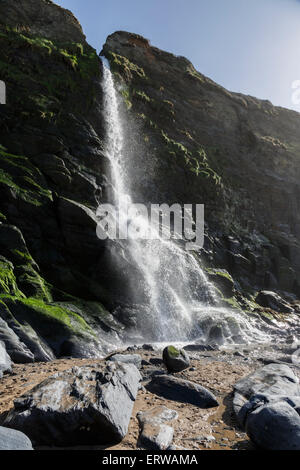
x: 175, y: 359
x: 267, y: 406
x: 216, y: 335
x: 273, y: 423
x: 272, y: 379
x: 18, y: 352
x: 5, y: 361
x: 274, y: 301
x: 10, y: 439
x: 154, y: 433
x: 135, y: 359
x: 83, y: 405
x: 185, y: 391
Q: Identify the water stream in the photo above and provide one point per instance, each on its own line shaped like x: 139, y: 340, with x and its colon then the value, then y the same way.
x: 181, y: 302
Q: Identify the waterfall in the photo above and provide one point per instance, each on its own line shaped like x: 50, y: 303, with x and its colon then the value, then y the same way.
x: 180, y: 301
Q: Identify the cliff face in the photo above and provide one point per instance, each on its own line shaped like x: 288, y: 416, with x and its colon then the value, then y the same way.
x: 238, y: 155
x: 51, y: 165
x: 190, y: 141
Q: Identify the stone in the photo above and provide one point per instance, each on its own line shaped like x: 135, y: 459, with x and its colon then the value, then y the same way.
x: 222, y: 280
x: 267, y: 406
x: 216, y: 335
x: 83, y: 405
x: 184, y: 391
x: 5, y: 361
x: 275, y: 425
x: 272, y: 379
x: 10, y: 439
x: 18, y: 352
x: 135, y: 359
x: 154, y: 433
x: 272, y: 300
x: 175, y: 359
x: 199, y: 347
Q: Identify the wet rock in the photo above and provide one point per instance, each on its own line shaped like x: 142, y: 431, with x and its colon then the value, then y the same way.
x: 10, y: 439
x: 272, y: 300
x: 200, y: 347
x: 154, y: 433
x: 185, y: 391
x: 216, y: 335
x: 78, y: 406
x: 175, y: 359
x: 223, y: 280
x: 148, y: 347
x: 5, y: 361
x: 127, y: 359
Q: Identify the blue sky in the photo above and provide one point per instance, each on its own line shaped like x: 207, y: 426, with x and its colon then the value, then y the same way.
x: 248, y: 46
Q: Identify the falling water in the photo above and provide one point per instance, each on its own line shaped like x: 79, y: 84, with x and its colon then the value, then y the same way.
x: 179, y: 297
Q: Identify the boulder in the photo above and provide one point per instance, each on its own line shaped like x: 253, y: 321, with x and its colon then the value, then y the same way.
x: 184, y: 391
x: 267, y: 406
x: 10, y: 439
x: 5, y: 361
x: 272, y: 379
x: 127, y: 359
x: 17, y: 350
x: 273, y: 423
x: 175, y: 359
x: 84, y: 405
x: 154, y: 433
x: 216, y: 335
x: 272, y: 300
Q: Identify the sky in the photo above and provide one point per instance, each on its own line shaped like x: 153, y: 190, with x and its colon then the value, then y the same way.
x: 247, y: 46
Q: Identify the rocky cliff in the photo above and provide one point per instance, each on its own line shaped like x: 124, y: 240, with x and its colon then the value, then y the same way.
x: 194, y: 142
x: 236, y: 154
x: 51, y: 166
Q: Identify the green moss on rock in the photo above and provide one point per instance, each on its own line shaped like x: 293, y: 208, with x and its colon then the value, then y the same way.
x: 8, y: 284
x: 173, y: 352
x: 121, y: 65
x: 23, y: 178
x: 46, y: 73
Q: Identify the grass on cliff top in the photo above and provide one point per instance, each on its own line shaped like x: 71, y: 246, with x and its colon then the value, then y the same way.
x: 46, y: 74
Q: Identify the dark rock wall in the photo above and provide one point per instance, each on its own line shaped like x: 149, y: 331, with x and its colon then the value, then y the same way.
x: 203, y: 144
x: 189, y: 140
x: 51, y: 165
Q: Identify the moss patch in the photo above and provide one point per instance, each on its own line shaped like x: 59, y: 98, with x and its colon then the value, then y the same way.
x: 8, y: 284
x: 32, y: 284
x: 122, y: 66
x: 173, y: 352
x: 48, y: 319
x: 18, y: 173
x: 46, y: 74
